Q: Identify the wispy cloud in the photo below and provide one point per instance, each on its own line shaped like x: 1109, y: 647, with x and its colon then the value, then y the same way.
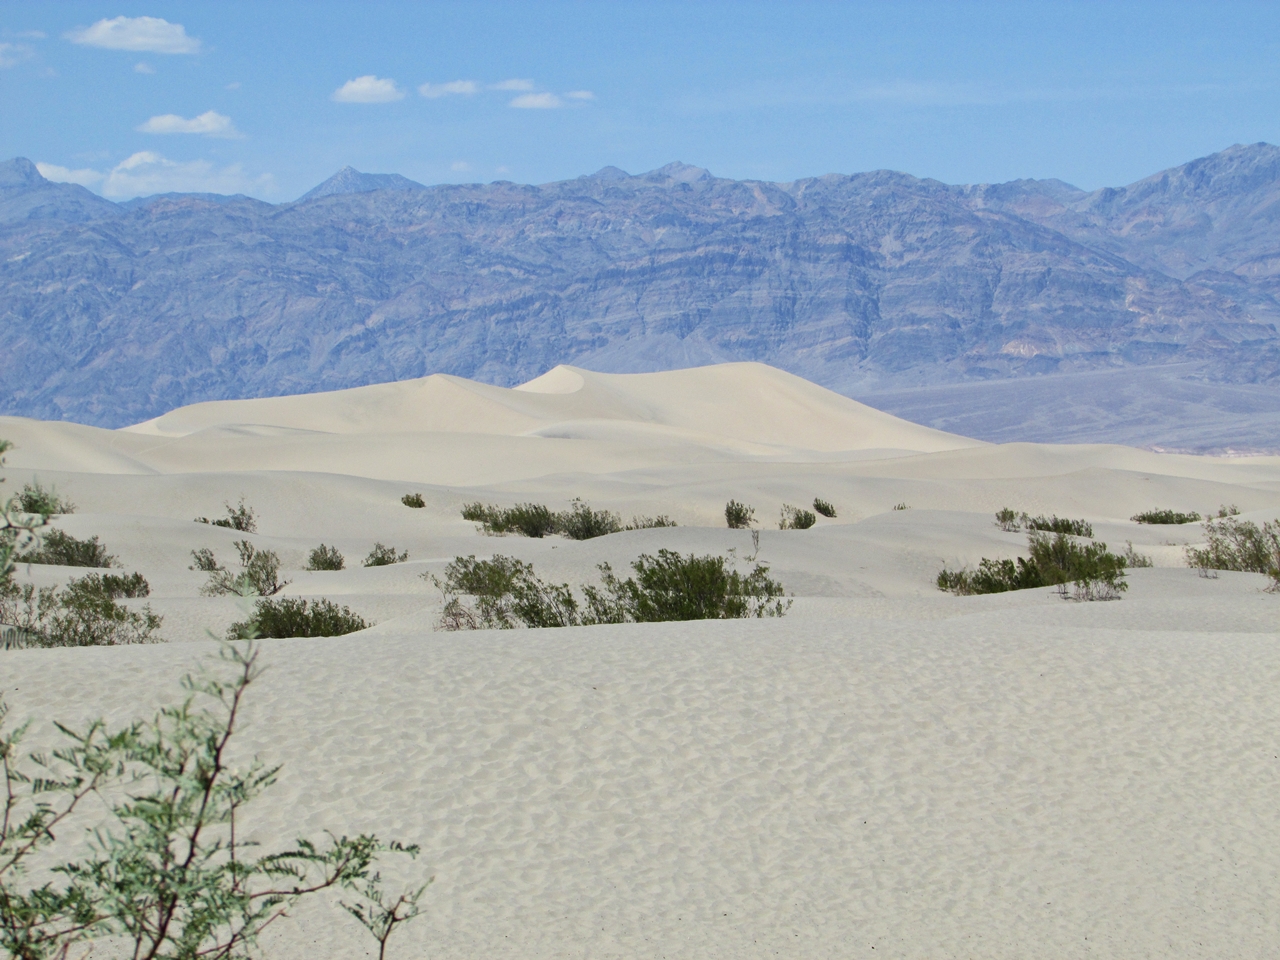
x: 12, y: 54
x: 512, y: 85
x: 151, y: 34
x: 147, y: 173
x: 580, y: 95
x: 368, y: 89
x: 433, y: 91
x: 209, y: 123
x: 86, y: 178
x: 459, y: 166
x: 537, y: 101
x: 143, y: 68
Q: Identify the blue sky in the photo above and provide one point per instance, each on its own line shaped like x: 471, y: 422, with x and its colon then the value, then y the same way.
x: 270, y: 98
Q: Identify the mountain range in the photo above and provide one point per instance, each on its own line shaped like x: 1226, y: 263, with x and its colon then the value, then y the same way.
x: 876, y: 284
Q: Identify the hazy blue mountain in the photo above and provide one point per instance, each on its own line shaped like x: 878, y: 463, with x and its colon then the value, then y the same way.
x: 866, y: 283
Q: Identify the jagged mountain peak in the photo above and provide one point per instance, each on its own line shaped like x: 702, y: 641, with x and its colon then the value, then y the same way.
x: 351, y: 180
x: 680, y: 173
x: 19, y: 172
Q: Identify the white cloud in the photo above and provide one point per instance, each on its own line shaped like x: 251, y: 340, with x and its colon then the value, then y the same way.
x: 209, y: 123
x: 233, y: 85
x: 512, y: 85
x: 136, y: 33
x: 459, y: 166
x: 367, y: 89
x: 433, y: 91
x: 580, y: 95
x: 537, y: 101
x: 86, y: 178
x: 143, y: 68
x: 12, y: 54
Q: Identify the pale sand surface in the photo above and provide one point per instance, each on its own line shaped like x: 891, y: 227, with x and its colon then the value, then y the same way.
x: 887, y: 771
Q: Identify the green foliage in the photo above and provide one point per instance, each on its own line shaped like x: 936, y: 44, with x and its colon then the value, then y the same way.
x: 36, y: 499
x: 580, y: 522
x: 381, y: 556
x: 508, y: 593
x: 83, y: 614
x: 19, y: 531
x: 1228, y: 510
x: 649, y: 523
x: 1058, y: 560
x: 1233, y: 544
x: 901, y: 506
x: 168, y: 875
x: 824, y: 508
x: 526, y: 519
x: 1074, y: 528
x: 1165, y: 516
x: 413, y: 500
x: 259, y: 572
x: 239, y: 517
x: 326, y: 558
x: 61, y: 549
x: 793, y: 518
x: 1009, y: 520
x: 739, y: 516
x: 1134, y: 559
x: 295, y: 617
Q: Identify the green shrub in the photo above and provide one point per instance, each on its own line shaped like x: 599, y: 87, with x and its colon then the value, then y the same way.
x: 739, y: 516
x: 901, y: 506
x: 413, y: 500
x: 1228, y: 510
x: 508, y: 593
x: 19, y: 530
x: 793, y: 518
x: 113, y: 586
x: 1095, y: 572
x: 326, y: 558
x: 83, y: 614
x: 824, y: 508
x: 259, y: 572
x: 1242, y: 545
x: 580, y: 522
x: 36, y: 499
x: 1075, y: 528
x: 383, y: 556
x: 1133, y: 558
x: 1009, y: 520
x: 62, y: 549
x: 295, y: 617
x: 526, y: 519
x: 239, y: 517
x: 649, y: 523
x: 1165, y: 516
x: 160, y: 869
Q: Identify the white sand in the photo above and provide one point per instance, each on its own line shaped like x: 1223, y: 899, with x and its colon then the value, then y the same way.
x: 887, y: 771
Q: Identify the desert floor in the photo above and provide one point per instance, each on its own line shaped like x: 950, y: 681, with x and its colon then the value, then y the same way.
x: 888, y: 770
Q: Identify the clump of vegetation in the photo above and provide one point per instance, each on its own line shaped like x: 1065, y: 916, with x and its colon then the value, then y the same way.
x: 901, y: 506
x: 36, y: 499
x: 61, y: 549
x: 824, y: 508
x: 580, y: 522
x: 1165, y: 517
x: 739, y: 516
x: 413, y: 500
x: 649, y: 523
x: 19, y: 530
x: 83, y: 614
x: 526, y: 519
x: 259, y: 573
x: 295, y: 617
x: 794, y: 518
x: 1133, y: 558
x: 160, y: 869
x: 669, y: 586
x: 383, y: 556
x: 1228, y: 510
x: 326, y: 558
x: 1241, y: 545
x: 239, y: 517
x: 1011, y: 521
x: 1095, y: 572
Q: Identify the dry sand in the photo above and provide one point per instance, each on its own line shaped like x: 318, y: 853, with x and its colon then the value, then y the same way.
x: 887, y: 771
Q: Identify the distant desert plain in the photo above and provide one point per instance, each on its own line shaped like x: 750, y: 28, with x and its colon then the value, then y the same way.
x: 887, y: 770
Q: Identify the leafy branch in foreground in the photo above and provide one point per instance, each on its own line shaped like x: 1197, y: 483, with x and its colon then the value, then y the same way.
x: 669, y: 586
x: 167, y: 872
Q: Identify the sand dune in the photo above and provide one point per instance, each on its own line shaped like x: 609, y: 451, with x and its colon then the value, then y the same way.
x: 888, y: 770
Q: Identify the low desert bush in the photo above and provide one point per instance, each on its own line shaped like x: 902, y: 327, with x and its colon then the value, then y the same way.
x: 1058, y: 560
x: 1009, y: 520
x: 128, y: 839
x: 526, y: 519
x: 1228, y: 510
x: 239, y: 517
x: 794, y: 518
x: 82, y: 614
x: 901, y: 506
x: 413, y: 500
x: 670, y: 586
x: 823, y: 507
x: 36, y: 499
x: 326, y: 558
x: 259, y: 573
x: 1232, y: 544
x: 580, y: 522
x: 739, y: 516
x: 19, y: 530
x: 294, y: 617
x: 62, y: 549
x: 649, y: 523
x: 1074, y: 528
x: 1165, y: 517
x: 383, y: 556
x: 1132, y: 558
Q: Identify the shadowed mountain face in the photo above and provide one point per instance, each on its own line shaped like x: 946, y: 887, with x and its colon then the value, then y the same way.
x: 878, y: 281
